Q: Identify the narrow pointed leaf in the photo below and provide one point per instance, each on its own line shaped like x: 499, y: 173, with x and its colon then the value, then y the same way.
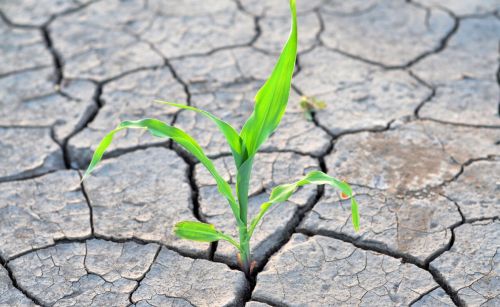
x: 201, y: 232
x: 232, y: 137
x: 197, y: 231
x: 99, y: 152
x: 158, y: 128
x: 272, y: 98
x: 283, y: 192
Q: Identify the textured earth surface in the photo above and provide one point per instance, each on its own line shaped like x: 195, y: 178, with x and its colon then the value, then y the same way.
x: 411, y: 120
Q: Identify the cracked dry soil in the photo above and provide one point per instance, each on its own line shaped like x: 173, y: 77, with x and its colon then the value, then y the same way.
x: 412, y: 122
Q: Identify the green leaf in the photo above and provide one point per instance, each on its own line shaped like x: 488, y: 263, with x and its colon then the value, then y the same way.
x: 201, y: 232
x: 283, y: 192
x: 160, y: 129
x: 197, y: 231
x: 232, y: 137
x: 99, y: 152
x: 272, y: 98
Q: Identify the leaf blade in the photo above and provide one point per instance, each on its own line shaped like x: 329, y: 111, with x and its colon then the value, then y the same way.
x: 99, y: 152
x: 272, y: 98
x: 196, y: 231
x: 201, y: 232
x: 232, y: 136
x: 160, y: 129
x: 283, y: 192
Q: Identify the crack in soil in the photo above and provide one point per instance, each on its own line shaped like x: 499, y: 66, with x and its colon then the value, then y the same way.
x: 462, y: 169
x: 141, y: 278
x: 87, y: 200
x: 56, y: 58
x: 21, y: 177
x: 190, y: 175
x: 432, y: 96
x: 498, y: 76
x: 380, y: 249
x: 90, y: 117
x: 427, y: 99
x: 97, y: 236
x: 422, y: 296
x: 443, y: 43
x: 250, y: 43
x: 460, y: 124
x: 13, y: 280
x: 5, y: 263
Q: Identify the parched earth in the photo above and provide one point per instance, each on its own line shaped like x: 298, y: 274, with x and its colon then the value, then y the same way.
x: 412, y: 121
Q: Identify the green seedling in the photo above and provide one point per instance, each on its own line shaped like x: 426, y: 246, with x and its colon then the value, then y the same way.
x: 309, y: 105
x: 270, y: 104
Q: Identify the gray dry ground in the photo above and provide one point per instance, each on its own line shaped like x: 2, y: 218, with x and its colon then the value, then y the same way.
x: 412, y: 122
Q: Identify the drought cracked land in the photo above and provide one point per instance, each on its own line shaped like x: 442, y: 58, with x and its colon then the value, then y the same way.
x: 412, y: 121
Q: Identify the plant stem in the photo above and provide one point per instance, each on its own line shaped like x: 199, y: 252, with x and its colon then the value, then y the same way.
x: 245, y: 250
x: 242, y: 184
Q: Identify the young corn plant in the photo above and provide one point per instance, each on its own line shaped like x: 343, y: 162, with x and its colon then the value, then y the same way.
x: 270, y: 104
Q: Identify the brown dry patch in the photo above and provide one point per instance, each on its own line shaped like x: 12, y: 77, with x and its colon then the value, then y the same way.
x: 406, y: 164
